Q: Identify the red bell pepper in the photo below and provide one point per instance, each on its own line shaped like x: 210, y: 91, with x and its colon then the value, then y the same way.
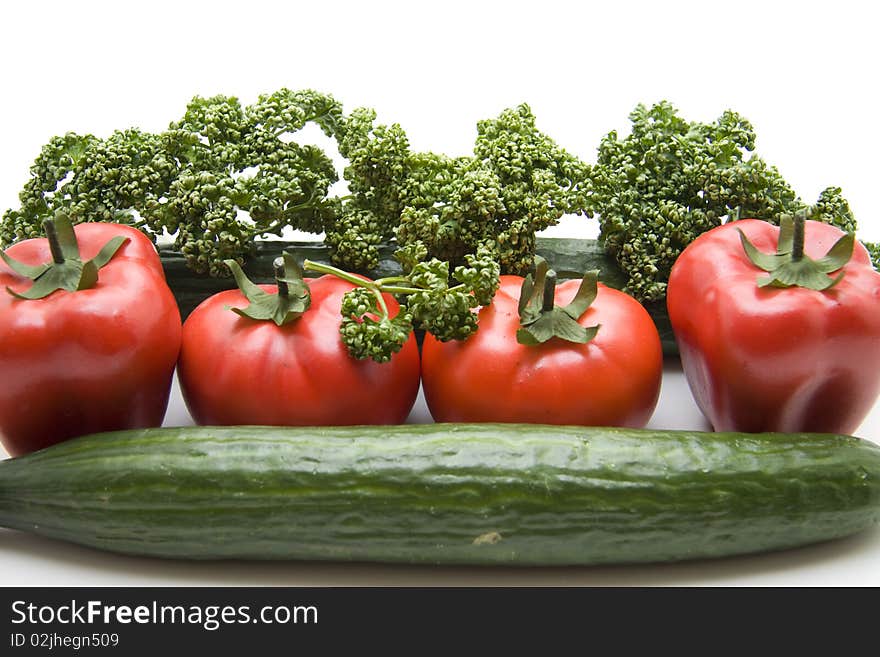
x: 89, y: 335
x: 778, y: 328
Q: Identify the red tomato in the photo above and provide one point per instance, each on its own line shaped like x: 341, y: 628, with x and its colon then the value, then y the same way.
x: 613, y: 380
x: 93, y: 360
x: 236, y: 370
x: 775, y: 359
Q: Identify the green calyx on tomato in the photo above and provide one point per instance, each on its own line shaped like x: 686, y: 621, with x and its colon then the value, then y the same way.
x: 283, y: 307
x: 541, y: 319
x: 67, y: 271
x: 790, y: 267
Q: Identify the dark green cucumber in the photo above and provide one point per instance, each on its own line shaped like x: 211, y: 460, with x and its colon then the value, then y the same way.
x: 463, y: 494
x: 569, y: 257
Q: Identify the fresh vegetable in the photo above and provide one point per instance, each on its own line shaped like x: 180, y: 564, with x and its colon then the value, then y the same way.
x: 576, y: 353
x: 214, y: 180
x: 226, y: 174
x: 370, y: 330
x: 567, y: 256
x: 671, y: 180
x: 272, y: 355
x: 90, y: 335
x: 475, y: 494
x: 517, y: 182
x: 376, y: 173
x: 778, y: 329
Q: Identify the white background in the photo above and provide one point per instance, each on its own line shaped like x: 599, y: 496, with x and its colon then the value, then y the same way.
x: 803, y: 73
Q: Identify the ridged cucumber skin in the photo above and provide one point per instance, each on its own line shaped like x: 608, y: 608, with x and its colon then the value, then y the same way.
x: 444, y: 494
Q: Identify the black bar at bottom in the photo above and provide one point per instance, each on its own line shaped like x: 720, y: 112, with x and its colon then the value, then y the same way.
x: 270, y: 621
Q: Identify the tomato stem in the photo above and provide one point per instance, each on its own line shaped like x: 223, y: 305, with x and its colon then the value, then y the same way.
x: 283, y: 287
x: 541, y: 319
x: 288, y: 304
x: 549, y: 300
x: 54, y: 242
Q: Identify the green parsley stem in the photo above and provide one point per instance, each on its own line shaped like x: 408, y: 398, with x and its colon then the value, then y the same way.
x: 380, y: 285
x: 381, y: 300
x: 309, y: 265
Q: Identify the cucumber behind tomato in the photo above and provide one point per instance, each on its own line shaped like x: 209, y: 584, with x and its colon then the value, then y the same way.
x: 569, y: 257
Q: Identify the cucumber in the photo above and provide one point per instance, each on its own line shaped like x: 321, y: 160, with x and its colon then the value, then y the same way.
x: 569, y: 257
x: 456, y: 494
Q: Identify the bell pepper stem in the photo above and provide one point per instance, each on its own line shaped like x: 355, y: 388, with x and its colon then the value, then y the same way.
x: 797, y: 238
x: 790, y: 266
